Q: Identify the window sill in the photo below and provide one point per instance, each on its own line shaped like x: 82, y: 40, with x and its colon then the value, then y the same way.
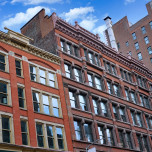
x: 3, y: 104
x: 20, y: 76
x: 4, y: 71
x: 131, y: 83
x: 128, y: 123
x: 81, y: 110
x: 116, y: 76
x: 48, y: 115
x: 94, y: 65
x: 23, y: 109
x: 143, y: 88
x: 110, y: 118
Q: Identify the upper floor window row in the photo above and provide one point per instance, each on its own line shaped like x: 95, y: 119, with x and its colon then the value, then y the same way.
x: 43, y: 76
x: 92, y: 57
x: 126, y: 75
x: 69, y: 48
x: 111, y: 68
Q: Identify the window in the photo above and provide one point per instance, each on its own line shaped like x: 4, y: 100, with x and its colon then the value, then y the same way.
x: 127, y: 44
x: 128, y: 139
x: 151, y: 60
x: 47, y: 104
x: 91, y: 59
x: 140, y: 142
x: 82, y: 101
x: 148, y: 122
x: 110, y: 67
x: 3, y: 93
x: 133, y: 117
x: 137, y: 46
x: 146, y: 39
x: 42, y: 76
x: 139, y: 56
x: 18, y: 68
x: 110, y: 136
x: 50, y: 136
x: 121, y: 137
x: 67, y: 71
x: 143, y: 30
x: 149, y: 50
x: 69, y: 48
x: 133, y: 97
x: 2, y: 62
x: 40, y: 136
x: 60, y: 138
x: 145, y: 142
x: 144, y: 101
x: 63, y: 45
x: 150, y: 23
x: 102, y: 135
x: 90, y: 79
x: 134, y: 36
x: 104, y: 108
x: 78, y: 130
x: 139, y: 120
x: 86, y: 54
x: 76, y: 51
x: 21, y: 97
x: 126, y: 75
x: 115, y: 111
x: 130, y: 53
x: 33, y: 73
x: 136, y: 117
x: 78, y: 74
x: 142, y: 82
x: 97, y: 62
x: 116, y: 90
x: 51, y: 77
x: 6, y: 129
x: 122, y: 114
x: 127, y: 94
x: 24, y: 132
x: 72, y: 99
x: 95, y: 81
x: 88, y: 132
x: 118, y: 45
x: 110, y: 91
x: 95, y: 105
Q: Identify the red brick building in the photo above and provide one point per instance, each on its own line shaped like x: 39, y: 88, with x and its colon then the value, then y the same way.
x: 136, y: 39
x: 33, y: 114
x: 108, y: 95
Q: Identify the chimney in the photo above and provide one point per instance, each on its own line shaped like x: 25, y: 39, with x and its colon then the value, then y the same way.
x: 110, y: 33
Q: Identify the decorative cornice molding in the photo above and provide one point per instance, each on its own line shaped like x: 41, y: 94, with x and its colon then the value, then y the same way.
x: 5, y: 38
x: 92, y: 40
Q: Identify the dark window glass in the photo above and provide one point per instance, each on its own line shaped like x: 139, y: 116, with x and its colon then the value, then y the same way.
x: 104, y: 108
x: 139, y: 142
x: 21, y: 97
x: 102, y: 135
x: 55, y: 107
x: 24, y: 132
x: 63, y: 45
x: 3, y: 93
x: 146, y: 143
x: 110, y: 136
x: 60, y: 138
x: 33, y: 73
x: 122, y: 114
x: 109, y: 88
x: 108, y: 67
x: 121, y: 137
x: 88, y: 132
x: 39, y: 130
x: 115, y: 111
x: 82, y: 101
x: 2, y: 62
x: 97, y: 60
x: 6, y: 129
x: 113, y: 70
x: 128, y: 140
x: 36, y: 101
x: 69, y: 48
x: 50, y: 136
x: 95, y: 106
x: 18, y: 67
x: 76, y: 51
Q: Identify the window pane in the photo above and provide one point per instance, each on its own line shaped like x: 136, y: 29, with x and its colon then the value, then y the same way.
x: 51, y: 80
x: 72, y: 99
x: 90, y: 79
x: 88, y: 132
x: 2, y: 62
x: 6, y: 129
x: 78, y: 75
x: 78, y: 130
x: 45, y: 100
x: 98, y: 83
x: 50, y: 136
x: 82, y: 101
x: 42, y: 76
x: 67, y: 71
x: 60, y: 138
x: 39, y: 135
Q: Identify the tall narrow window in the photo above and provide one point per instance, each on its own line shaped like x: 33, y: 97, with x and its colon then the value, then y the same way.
x: 60, y: 138
x: 137, y: 46
x: 150, y: 23
x: 116, y: 90
x: 46, y: 107
x: 69, y: 49
x: 78, y: 74
x: 2, y: 62
x: 51, y: 79
x: 3, y: 93
x: 90, y: 79
x: 21, y: 98
x: 149, y: 50
x: 146, y: 102
x: 98, y: 83
x: 139, y: 56
x: 63, y: 45
x: 133, y: 118
x: 146, y: 143
x: 143, y: 30
x: 133, y: 98
x: 122, y: 114
x: 78, y: 130
x: 33, y: 73
x: 95, y: 106
x: 139, y: 120
x: 104, y: 108
x: 72, y: 99
x: 121, y: 137
x: 110, y: 136
x: 128, y: 140
x: 134, y: 36
x: 101, y: 135
x: 76, y: 51
x: 108, y: 67
x: 115, y: 111
x: 127, y: 94
x: 109, y: 87
x: 67, y: 70
x: 18, y: 68
x: 82, y: 100
x: 139, y: 142
x: 91, y: 58
x: 36, y: 102
x: 88, y: 132
x: 42, y: 76
x: 40, y: 136
x: 146, y: 39
x: 148, y: 122
x: 6, y: 129
x: 113, y: 70
x: 97, y: 60
x: 24, y: 132
x: 55, y: 107
x: 50, y: 136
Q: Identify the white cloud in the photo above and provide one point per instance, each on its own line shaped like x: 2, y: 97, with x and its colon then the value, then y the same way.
x: 77, y: 13
x: 100, y: 30
x: 35, y: 2
x: 129, y: 1
x: 3, y: 3
x: 88, y: 23
x: 21, y: 18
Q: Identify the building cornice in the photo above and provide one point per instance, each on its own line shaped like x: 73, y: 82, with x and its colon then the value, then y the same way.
x: 92, y: 40
x: 22, y: 45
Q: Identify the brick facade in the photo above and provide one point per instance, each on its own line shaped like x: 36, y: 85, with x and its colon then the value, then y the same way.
x: 94, y: 84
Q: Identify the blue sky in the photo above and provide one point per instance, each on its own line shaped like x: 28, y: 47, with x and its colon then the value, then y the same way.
x: 88, y: 13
